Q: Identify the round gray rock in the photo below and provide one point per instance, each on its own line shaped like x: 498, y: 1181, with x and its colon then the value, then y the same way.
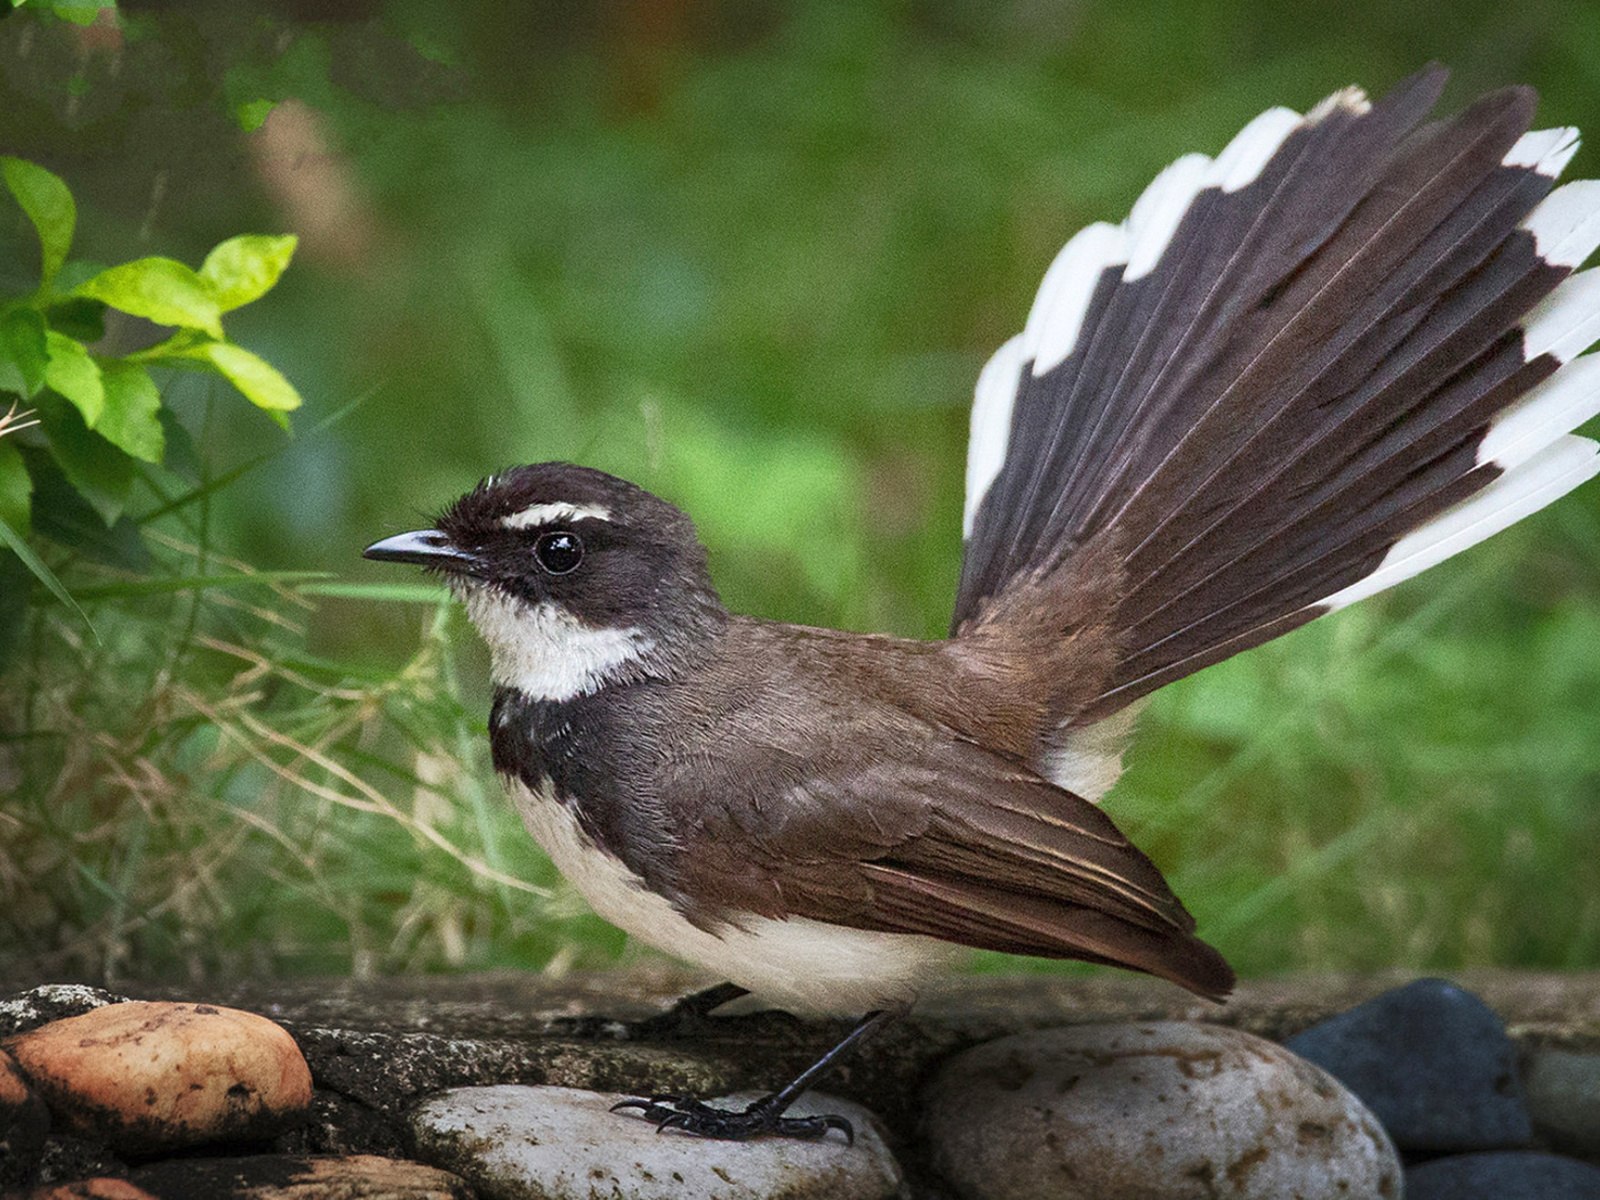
x: 1155, y: 1110
x: 550, y: 1143
x: 1563, y: 1089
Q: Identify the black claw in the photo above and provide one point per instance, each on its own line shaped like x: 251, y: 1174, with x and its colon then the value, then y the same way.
x: 761, y: 1119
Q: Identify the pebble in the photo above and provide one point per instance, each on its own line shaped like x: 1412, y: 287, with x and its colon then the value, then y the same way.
x: 296, y: 1177
x: 1503, y: 1175
x: 1563, y: 1089
x: 552, y: 1143
x: 1158, y: 1110
x: 24, y: 1123
x: 1432, y: 1061
x: 148, y: 1076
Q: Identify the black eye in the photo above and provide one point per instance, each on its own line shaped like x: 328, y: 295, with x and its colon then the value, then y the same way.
x: 559, y: 553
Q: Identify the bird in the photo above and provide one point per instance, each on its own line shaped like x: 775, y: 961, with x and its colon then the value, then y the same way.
x: 1343, y: 349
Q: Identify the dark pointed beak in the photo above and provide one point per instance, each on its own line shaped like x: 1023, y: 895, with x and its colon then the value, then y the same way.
x: 426, y: 547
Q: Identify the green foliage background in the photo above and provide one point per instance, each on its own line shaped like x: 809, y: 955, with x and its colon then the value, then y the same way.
x: 752, y: 256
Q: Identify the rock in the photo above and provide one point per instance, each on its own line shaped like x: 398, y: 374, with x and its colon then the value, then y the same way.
x: 292, y: 1177
x: 1433, y: 1063
x: 1150, y: 1109
x: 555, y: 1143
x: 1563, y: 1088
x: 50, y: 1002
x: 24, y: 1123
x: 105, y: 1187
x: 1506, y: 1175
x: 148, y: 1076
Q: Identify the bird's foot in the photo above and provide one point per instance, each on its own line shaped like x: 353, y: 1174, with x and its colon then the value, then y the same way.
x: 764, y: 1118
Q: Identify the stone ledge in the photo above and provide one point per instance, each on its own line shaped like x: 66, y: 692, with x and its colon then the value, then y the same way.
x: 379, y: 1044
x: 1547, y: 1008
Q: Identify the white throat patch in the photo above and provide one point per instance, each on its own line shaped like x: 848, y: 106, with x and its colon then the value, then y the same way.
x: 544, y: 651
x: 545, y: 514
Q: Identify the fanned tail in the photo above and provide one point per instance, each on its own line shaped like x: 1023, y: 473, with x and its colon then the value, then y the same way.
x: 1340, y: 352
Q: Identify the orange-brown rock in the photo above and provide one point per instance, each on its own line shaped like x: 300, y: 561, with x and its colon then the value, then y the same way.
x: 294, y: 1177
x: 102, y: 1188
x: 146, y: 1076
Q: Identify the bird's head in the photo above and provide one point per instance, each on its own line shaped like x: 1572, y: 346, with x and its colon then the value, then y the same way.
x: 576, y: 579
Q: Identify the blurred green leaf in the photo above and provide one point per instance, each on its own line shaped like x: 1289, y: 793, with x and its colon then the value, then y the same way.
x: 195, y: 583
x: 162, y: 290
x: 99, y: 471
x: 79, y: 12
x: 16, y: 489
x: 132, y: 411
x: 244, y: 268
x: 73, y: 374
x: 42, y: 573
x: 44, y: 196
x: 394, y: 593
x: 62, y: 514
x: 23, y: 352
x: 79, y: 317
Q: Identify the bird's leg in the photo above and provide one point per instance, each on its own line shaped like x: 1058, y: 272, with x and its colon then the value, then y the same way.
x: 688, y: 1015
x: 765, y: 1116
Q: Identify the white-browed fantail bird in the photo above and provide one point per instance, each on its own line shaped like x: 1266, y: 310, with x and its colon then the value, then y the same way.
x: 1300, y: 372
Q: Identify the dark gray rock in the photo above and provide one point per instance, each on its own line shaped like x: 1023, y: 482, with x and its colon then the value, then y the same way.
x: 1505, y: 1175
x: 1161, y: 1110
x: 1433, y: 1062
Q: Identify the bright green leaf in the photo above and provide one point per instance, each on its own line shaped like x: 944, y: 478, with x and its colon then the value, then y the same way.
x: 244, y: 268
x: 253, y: 114
x: 162, y: 290
x: 16, y: 489
x: 131, y: 418
x: 48, y: 203
x: 261, y: 382
x: 75, y: 375
x: 23, y: 352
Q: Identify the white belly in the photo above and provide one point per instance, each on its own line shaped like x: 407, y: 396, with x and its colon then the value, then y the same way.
x: 799, y: 964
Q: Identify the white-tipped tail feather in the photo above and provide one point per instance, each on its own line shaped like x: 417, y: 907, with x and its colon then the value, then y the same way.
x: 1058, y: 311
x: 1547, y: 151
x: 1543, y: 479
x: 1557, y: 406
x: 1566, y: 224
x: 991, y: 422
x: 1567, y: 321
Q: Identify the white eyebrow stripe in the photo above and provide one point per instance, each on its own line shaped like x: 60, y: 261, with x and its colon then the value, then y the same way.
x: 543, y: 514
